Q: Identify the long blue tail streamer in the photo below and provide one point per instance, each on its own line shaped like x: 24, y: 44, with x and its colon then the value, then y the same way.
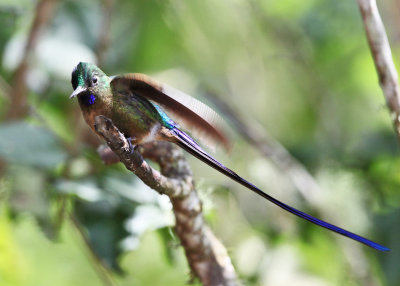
x: 188, y: 144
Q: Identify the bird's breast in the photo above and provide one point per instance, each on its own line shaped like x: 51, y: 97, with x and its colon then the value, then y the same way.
x: 90, y: 113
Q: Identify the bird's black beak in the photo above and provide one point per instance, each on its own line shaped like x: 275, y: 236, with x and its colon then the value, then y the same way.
x: 79, y: 89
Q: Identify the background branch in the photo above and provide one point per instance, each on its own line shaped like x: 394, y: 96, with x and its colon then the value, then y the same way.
x: 207, y: 257
x: 269, y: 148
x: 104, y: 37
x: 18, y: 107
x: 382, y: 55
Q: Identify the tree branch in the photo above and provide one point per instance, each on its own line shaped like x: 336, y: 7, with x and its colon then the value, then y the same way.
x: 18, y: 107
x: 382, y: 55
x: 207, y: 257
x: 104, y: 37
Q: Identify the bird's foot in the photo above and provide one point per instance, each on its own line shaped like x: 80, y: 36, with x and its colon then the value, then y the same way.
x: 131, y: 146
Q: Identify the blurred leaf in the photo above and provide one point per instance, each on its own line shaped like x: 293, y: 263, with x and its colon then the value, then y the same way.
x: 47, y: 263
x: 171, y: 242
x: 146, y: 266
x: 8, y: 21
x: 148, y: 217
x: 388, y: 231
x: 27, y: 144
x: 109, y: 213
x: 28, y: 196
x: 8, y: 4
x: 151, y: 44
x: 86, y: 190
x: 105, y: 225
x: 56, y: 57
x: 320, y: 243
x: 53, y: 112
x: 130, y: 187
x: 384, y: 175
x: 373, y: 146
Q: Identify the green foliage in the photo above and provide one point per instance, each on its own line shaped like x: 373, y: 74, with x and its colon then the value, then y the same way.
x: 27, y: 144
x: 303, y: 72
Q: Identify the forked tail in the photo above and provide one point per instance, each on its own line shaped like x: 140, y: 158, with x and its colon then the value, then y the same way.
x: 188, y: 144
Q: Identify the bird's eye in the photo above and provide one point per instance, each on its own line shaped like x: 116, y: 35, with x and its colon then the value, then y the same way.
x: 94, y: 80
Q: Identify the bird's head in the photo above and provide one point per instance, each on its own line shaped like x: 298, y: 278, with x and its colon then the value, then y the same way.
x: 88, y: 81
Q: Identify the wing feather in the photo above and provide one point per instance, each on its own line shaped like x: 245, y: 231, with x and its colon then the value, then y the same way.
x: 194, y: 115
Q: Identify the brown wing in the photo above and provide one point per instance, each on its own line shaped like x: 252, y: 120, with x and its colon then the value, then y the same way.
x: 193, y: 114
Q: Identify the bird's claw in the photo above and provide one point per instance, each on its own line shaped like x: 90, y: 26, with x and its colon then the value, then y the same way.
x: 132, y: 147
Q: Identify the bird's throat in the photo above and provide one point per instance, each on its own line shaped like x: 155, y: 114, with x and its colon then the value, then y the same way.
x: 87, y: 99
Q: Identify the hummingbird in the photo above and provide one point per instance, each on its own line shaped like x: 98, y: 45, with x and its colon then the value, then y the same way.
x: 142, y: 109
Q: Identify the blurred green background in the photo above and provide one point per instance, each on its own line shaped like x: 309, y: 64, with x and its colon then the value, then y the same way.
x: 301, y: 71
